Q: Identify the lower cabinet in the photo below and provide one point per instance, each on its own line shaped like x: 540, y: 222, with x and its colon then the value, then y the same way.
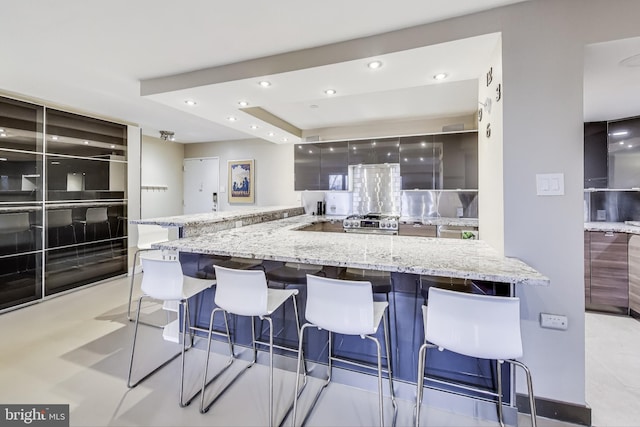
x: 587, y: 268
x: 609, y: 279
x: 417, y: 230
x: 634, y: 274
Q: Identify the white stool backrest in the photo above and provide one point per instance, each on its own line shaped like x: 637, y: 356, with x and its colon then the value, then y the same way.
x: 59, y: 218
x: 149, y: 234
x: 482, y: 326
x: 162, y: 278
x: 341, y: 306
x: 14, y: 222
x: 242, y: 292
x: 95, y: 215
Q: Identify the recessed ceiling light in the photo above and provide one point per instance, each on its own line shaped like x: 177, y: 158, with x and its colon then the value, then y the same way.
x: 86, y: 142
x: 3, y: 159
x: 284, y: 139
x: 271, y: 134
x: 630, y: 146
x: 264, y: 83
x: 113, y: 146
x: 190, y: 102
x: 54, y: 137
x: 423, y: 144
x: 310, y: 152
x: 620, y: 133
x: 422, y: 159
x: 330, y: 148
x: 373, y: 143
x: 55, y: 163
x: 440, y: 76
x: 254, y: 127
x: 1, y: 130
x: 388, y: 154
x: 374, y: 64
x: 330, y: 91
x: 243, y: 103
x: 232, y: 119
x: 406, y: 160
x: 3, y: 134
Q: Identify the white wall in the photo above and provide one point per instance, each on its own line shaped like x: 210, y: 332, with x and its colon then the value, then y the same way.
x: 273, y: 175
x: 490, y: 176
x: 161, y: 164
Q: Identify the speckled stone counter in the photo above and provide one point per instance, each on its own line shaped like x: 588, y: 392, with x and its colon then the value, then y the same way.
x: 618, y: 227
x: 280, y: 240
x: 211, y: 222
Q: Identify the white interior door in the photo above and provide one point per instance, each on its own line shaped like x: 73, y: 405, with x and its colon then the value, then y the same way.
x: 201, y: 178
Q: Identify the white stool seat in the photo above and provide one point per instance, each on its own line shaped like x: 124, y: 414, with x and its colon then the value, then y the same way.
x: 245, y: 293
x: 148, y: 235
x: 480, y: 326
x: 163, y: 280
x: 345, y: 307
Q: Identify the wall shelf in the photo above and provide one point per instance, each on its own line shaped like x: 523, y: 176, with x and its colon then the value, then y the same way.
x: 154, y: 187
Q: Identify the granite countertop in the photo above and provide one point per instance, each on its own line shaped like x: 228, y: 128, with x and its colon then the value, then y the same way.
x: 618, y: 227
x: 280, y: 240
x: 212, y: 217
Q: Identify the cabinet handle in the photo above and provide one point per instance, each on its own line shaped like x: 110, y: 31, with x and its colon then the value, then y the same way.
x: 608, y: 234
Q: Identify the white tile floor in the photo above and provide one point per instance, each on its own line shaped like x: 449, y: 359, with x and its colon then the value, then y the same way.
x: 75, y: 349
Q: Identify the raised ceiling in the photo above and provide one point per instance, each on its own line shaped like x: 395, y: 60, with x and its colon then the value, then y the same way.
x: 92, y: 57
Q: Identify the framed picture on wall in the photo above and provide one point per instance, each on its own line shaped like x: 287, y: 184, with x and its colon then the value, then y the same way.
x: 241, y: 181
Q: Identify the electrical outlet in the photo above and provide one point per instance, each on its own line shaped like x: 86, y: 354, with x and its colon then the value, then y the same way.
x: 554, y: 321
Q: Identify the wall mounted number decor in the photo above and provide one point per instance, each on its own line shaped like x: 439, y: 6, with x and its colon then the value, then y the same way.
x: 489, y: 76
x: 480, y: 114
x: 498, y: 92
x: 488, y: 131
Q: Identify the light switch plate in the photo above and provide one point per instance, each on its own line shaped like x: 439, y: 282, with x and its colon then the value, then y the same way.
x: 550, y: 184
x: 554, y: 321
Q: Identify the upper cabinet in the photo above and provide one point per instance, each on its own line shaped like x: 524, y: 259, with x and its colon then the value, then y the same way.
x: 334, y: 166
x: 427, y: 162
x: 420, y: 163
x: 307, y: 167
x: 624, y: 153
x: 374, y: 151
x: 459, y: 160
x: 595, y: 155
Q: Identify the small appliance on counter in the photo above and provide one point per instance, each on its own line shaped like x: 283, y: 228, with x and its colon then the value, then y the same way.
x: 372, y: 223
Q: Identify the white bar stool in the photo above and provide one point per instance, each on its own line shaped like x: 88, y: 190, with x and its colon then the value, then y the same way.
x: 163, y: 280
x: 345, y: 307
x: 245, y: 293
x: 481, y: 326
x: 148, y: 234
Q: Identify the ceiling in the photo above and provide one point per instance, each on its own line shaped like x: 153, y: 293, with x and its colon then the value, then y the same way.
x: 93, y: 56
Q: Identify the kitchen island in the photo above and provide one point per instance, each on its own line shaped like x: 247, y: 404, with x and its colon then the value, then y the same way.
x: 281, y: 240
x: 409, y: 260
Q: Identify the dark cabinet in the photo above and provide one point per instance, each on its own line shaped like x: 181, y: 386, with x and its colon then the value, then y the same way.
x: 587, y: 268
x: 420, y: 163
x: 459, y: 160
x: 609, y: 281
x: 624, y: 152
x: 374, y: 151
x: 334, y: 166
x: 307, y: 167
x: 595, y: 155
x: 441, y: 161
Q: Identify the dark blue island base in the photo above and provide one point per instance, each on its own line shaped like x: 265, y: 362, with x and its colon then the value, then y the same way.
x: 471, y: 376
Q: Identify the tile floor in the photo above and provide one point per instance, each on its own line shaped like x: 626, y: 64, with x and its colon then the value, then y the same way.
x: 75, y: 349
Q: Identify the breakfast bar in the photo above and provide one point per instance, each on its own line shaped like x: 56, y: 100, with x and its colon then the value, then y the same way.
x: 409, y: 259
